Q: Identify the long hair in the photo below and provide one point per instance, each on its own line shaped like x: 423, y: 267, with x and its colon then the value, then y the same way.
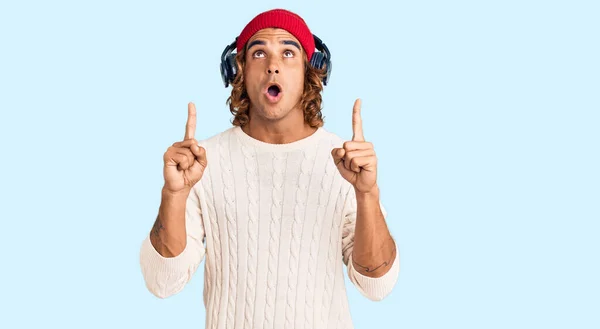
x: 310, y: 102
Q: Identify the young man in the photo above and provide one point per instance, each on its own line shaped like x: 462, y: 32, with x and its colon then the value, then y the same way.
x: 276, y: 204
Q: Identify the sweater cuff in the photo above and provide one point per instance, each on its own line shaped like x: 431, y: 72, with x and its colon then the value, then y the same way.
x: 164, y: 275
x: 376, y: 289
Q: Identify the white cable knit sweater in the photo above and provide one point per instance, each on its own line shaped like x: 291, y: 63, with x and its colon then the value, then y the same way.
x: 275, y: 225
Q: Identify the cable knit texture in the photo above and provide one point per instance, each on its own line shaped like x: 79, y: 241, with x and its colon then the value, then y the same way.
x: 274, y: 224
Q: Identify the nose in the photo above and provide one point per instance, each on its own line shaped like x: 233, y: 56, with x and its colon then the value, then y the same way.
x: 273, y: 68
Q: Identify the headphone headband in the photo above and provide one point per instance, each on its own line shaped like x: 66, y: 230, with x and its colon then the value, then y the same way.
x: 322, y: 47
x: 228, y: 50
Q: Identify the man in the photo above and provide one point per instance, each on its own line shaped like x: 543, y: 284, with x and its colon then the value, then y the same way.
x: 276, y: 204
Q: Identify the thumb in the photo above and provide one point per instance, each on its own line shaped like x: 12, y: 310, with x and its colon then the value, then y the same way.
x: 198, y: 151
x: 338, y: 155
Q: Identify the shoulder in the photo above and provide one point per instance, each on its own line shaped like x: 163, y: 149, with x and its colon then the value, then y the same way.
x: 217, y: 138
x: 332, y: 138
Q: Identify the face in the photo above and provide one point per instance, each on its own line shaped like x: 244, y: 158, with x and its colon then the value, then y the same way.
x: 274, y: 74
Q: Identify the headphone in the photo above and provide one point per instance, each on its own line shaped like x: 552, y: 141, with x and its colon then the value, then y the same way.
x: 319, y: 59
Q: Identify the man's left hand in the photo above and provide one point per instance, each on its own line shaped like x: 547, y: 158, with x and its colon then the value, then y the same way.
x: 356, y: 160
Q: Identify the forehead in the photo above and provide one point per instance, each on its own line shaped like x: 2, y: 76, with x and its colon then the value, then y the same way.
x: 274, y: 35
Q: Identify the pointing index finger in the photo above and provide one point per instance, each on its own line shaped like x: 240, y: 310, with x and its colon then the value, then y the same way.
x: 357, y: 129
x: 190, y: 127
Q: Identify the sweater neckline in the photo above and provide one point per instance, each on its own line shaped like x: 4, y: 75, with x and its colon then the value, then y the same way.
x: 269, y: 147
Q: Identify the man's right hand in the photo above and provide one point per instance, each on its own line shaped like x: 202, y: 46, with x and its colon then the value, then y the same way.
x: 185, y: 161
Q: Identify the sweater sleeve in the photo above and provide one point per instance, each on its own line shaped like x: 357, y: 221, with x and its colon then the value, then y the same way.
x: 374, y: 289
x: 167, y: 276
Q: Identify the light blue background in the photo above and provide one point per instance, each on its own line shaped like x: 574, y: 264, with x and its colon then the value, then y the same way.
x: 484, y: 115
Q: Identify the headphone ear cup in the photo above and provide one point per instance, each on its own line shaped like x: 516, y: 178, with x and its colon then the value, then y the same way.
x: 231, y: 68
x: 327, y: 73
x: 224, y: 74
x: 318, y: 61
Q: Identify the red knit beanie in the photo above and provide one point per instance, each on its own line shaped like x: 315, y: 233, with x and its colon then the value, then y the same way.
x: 283, y: 19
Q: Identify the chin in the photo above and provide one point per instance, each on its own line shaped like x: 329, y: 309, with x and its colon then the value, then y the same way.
x: 272, y: 112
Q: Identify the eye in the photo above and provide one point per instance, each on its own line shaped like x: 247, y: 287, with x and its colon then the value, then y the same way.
x: 258, y: 54
x: 288, y: 53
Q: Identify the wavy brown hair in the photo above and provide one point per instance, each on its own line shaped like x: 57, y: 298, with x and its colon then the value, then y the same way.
x: 310, y: 102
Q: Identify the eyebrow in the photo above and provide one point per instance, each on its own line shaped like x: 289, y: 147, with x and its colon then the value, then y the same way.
x: 285, y: 42
x: 255, y: 42
x: 292, y: 43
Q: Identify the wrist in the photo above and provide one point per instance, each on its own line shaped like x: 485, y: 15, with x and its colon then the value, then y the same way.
x: 177, y: 195
x: 372, y: 193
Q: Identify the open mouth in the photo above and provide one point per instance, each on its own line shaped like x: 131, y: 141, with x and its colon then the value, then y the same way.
x: 274, y: 92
